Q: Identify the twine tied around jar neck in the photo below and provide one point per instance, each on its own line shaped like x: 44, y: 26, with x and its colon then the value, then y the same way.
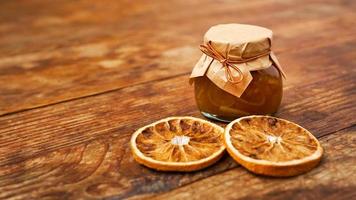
x: 228, y: 63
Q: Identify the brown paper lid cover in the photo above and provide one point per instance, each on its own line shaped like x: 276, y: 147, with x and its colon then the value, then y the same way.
x: 238, y: 42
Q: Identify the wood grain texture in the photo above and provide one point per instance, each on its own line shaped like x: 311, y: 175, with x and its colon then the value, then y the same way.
x: 118, y: 44
x: 96, y: 129
x: 96, y: 170
x: 67, y: 110
x: 120, y: 112
x: 332, y: 179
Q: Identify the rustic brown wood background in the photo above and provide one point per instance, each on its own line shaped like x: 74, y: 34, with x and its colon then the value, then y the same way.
x: 78, y: 77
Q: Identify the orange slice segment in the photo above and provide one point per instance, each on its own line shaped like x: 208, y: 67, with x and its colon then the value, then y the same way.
x: 272, y: 146
x: 178, y: 144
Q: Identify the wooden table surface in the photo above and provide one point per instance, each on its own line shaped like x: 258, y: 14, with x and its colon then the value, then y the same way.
x: 78, y: 77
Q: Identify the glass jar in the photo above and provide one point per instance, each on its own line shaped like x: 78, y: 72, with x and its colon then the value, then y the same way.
x: 238, y: 73
x: 262, y: 96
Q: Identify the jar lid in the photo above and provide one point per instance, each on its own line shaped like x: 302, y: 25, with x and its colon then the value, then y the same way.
x: 237, y: 34
x: 231, y: 51
x: 242, y: 41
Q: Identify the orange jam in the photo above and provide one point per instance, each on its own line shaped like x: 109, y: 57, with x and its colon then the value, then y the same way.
x: 262, y: 96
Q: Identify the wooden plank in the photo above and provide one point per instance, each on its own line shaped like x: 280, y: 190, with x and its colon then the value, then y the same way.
x: 332, y: 179
x: 33, y: 29
x: 80, y: 148
x: 120, y: 112
x: 92, y: 170
x: 105, y: 168
x: 43, y: 70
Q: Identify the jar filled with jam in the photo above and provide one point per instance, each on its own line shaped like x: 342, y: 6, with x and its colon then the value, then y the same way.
x: 238, y: 74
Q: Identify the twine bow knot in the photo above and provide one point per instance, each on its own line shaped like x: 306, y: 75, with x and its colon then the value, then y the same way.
x: 227, y: 63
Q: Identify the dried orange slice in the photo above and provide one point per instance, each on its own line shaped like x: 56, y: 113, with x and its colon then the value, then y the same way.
x: 178, y: 144
x: 272, y: 146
